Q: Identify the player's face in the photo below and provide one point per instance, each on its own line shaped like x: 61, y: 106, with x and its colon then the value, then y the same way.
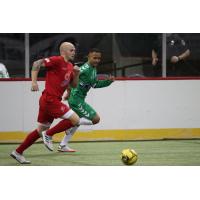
x: 70, y: 53
x: 94, y: 58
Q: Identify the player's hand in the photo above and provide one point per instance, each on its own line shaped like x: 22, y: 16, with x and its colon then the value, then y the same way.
x: 76, y: 70
x: 34, y: 87
x: 111, y: 78
x: 66, y: 95
x: 154, y: 61
x: 174, y: 59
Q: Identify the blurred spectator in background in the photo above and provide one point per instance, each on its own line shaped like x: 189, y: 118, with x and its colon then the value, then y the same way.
x: 3, y: 71
x: 177, y: 53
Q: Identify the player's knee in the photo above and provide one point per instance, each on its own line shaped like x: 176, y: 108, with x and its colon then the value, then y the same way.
x: 42, y: 128
x: 96, y: 120
x: 74, y: 119
x: 76, y: 122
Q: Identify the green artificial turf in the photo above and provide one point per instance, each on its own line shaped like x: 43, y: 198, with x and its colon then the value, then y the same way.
x: 159, y: 153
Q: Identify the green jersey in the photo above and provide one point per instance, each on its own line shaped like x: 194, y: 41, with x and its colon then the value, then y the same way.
x: 88, y: 79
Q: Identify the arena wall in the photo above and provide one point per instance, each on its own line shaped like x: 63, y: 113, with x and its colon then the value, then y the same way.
x: 129, y: 110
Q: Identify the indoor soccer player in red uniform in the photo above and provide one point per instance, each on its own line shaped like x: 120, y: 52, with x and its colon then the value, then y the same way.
x: 60, y: 74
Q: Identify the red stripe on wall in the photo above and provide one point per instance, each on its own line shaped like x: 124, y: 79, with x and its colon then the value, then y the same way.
x: 118, y: 78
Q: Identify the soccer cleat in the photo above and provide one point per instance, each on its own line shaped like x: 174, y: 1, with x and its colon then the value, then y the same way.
x: 64, y: 148
x: 47, y: 141
x: 21, y: 159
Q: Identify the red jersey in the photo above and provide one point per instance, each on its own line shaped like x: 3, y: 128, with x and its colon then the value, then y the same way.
x: 59, y: 75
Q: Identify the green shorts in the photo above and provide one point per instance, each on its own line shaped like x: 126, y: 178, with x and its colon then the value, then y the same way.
x: 81, y: 108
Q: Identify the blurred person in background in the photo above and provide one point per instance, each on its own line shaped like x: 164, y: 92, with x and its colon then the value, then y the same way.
x: 3, y: 71
x: 177, y: 53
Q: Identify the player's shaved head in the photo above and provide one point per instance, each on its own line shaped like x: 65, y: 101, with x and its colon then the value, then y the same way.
x: 67, y: 50
x: 66, y: 46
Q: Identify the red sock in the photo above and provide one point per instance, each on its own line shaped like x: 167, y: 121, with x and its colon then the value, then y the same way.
x: 29, y: 140
x: 60, y: 127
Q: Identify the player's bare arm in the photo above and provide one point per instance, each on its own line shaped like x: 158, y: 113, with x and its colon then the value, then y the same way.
x: 75, y: 80
x: 185, y: 55
x: 154, y: 57
x: 34, y: 74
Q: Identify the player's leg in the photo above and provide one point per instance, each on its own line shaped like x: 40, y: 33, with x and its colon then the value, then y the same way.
x: 28, y: 141
x: 32, y: 137
x: 88, y: 117
x: 60, y: 127
x: 44, y: 122
x: 70, y: 119
x: 84, y: 110
x: 63, y: 146
x: 96, y: 119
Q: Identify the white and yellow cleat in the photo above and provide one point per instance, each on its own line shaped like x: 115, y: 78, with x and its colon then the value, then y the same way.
x: 20, y: 158
x: 64, y: 148
x: 47, y: 141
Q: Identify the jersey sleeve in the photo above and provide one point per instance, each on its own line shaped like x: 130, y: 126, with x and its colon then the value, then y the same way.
x: 102, y: 83
x: 51, y: 62
x: 84, y: 78
x: 84, y: 73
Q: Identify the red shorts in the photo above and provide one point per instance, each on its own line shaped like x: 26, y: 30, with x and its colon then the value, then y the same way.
x: 50, y: 108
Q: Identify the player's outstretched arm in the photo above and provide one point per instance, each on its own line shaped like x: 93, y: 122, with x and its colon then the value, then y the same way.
x: 104, y: 83
x: 75, y: 80
x: 34, y: 74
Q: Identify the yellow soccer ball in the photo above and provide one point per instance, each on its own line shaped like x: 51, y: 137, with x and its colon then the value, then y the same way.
x: 129, y: 156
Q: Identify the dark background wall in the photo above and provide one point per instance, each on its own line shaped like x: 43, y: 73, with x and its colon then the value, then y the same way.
x: 132, y: 46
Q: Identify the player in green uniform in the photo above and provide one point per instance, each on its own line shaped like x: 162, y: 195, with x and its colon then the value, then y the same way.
x: 87, y: 79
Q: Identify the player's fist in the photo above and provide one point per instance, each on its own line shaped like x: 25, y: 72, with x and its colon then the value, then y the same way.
x: 76, y: 70
x: 111, y: 78
x: 174, y: 59
x: 34, y: 87
x: 66, y: 94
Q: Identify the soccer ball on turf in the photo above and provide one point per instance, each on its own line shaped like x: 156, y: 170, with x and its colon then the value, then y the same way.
x: 129, y: 156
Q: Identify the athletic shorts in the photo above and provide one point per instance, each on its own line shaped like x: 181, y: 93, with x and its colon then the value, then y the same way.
x: 51, y: 108
x: 81, y: 108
